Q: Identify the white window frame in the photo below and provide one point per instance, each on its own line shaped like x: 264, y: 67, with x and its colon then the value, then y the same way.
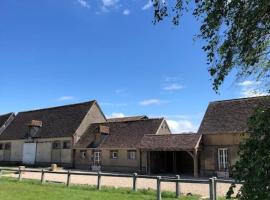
x: 132, y: 154
x: 114, y: 154
x: 97, y: 158
x: 223, y: 159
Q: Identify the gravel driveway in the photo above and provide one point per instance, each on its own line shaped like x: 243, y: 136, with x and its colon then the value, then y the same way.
x: 200, y: 189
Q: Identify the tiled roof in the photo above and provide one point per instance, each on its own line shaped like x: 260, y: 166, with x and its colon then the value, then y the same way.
x: 230, y: 116
x: 124, y: 119
x: 122, y: 134
x: 60, y: 121
x: 171, y: 142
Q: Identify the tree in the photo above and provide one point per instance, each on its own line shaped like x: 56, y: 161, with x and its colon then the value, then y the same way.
x: 236, y: 32
x: 237, y: 36
x: 253, y: 167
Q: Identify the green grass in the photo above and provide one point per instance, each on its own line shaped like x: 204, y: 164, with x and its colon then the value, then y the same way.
x: 29, y: 189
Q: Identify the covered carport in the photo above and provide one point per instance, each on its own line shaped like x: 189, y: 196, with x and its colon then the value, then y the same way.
x: 172, y: 153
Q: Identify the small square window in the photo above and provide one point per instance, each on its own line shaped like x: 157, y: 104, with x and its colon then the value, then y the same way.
x: 83, y: 154
x: 7, y: 146
x: 66, y: 145
x: 114, y: 154
x: 132, y: 155
x: 56, y: 145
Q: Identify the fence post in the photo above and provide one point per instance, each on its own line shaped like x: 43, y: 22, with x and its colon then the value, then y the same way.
x: 177, y: 187
x: 42, y: 177
x: 98, y: 180
x: 210, y: 189
x: 158, y: 187
x: 135, y: 182
x: 68, y: 178
x: 214, y: 188
x: 20, y: 174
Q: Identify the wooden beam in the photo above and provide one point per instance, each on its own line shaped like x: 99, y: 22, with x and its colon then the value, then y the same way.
x: 195, y: 159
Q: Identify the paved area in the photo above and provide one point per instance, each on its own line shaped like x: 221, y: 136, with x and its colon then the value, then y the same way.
x: 185, y: 188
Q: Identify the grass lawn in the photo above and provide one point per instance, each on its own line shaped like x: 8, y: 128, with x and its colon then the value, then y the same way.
x: 11, y: 189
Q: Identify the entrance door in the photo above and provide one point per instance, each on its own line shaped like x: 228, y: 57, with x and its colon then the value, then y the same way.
x: 29, y: 153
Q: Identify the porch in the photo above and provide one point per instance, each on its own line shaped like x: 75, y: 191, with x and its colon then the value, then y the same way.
x: 172, y: 154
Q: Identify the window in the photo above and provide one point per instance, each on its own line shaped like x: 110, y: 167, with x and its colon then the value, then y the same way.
x: 1, y: 146
x: 56, y: 145
x: 132, y: 155
x: 83, y: 154
x: 114, y: 154
x: 66, y: 145
x: 223, y: 159
x: 97, y: 157
x: 7, y: 146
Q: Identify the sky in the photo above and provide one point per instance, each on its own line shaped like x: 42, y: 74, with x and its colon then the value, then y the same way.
x: 61, y: 52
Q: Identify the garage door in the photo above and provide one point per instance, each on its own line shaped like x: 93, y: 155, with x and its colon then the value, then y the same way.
x: 29, y: 153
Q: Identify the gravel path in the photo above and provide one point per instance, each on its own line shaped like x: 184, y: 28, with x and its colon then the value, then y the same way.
x: 200, y: 189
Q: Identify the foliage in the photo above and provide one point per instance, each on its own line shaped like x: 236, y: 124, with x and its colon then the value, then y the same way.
x: 236, y: 32
x: 253, y: 166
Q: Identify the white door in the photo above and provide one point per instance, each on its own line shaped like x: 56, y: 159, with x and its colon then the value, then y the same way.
x: 29, y: 153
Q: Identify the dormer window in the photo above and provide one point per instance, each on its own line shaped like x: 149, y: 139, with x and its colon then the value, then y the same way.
x: 33, y: 128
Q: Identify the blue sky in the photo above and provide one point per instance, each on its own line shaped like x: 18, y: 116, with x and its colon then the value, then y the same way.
x: 67, y: 51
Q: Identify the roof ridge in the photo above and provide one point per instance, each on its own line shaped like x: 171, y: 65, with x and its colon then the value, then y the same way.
x: 58, y: 107
x: 10, y: 113
x: 149, y: 119
x: 131, y: 116
x: 239, y: 99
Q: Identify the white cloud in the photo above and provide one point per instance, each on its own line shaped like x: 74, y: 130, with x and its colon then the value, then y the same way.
x: 249, y: 83
x: 148, y: 5
x: 84, y: 3
x: 116, y: 115
x: 65, y: 98
x: 180, y: 126
x: 173, y: 86
x: 113, y: 104
x: 250, y: 89
x: 149, y: 102
x: 109, y: 3
x: 126, y: 12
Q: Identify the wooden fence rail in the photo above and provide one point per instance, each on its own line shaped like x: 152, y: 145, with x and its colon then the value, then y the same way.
x: 212, y: 182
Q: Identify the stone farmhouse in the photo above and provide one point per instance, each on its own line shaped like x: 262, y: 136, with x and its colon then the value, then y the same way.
x: 80, y: 136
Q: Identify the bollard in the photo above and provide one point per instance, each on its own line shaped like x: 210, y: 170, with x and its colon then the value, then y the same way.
x: 20, y: 175
x: 159, y: 188
x: 211, y: 189
x: 98, y: 180
x: 214, y: 188
x: 135, y: 182
x: 177, y: 187
x: 42, y: 176
x: 68, y: 178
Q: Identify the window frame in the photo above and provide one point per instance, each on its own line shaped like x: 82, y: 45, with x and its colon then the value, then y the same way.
x: 55, y: 147
x: 67, y: 142
x: 97, y: 158
x: 114, y: 154
x: 223, y: 161
x: 7, y: 146
x: 83, y: 154
x: 130, y: 153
